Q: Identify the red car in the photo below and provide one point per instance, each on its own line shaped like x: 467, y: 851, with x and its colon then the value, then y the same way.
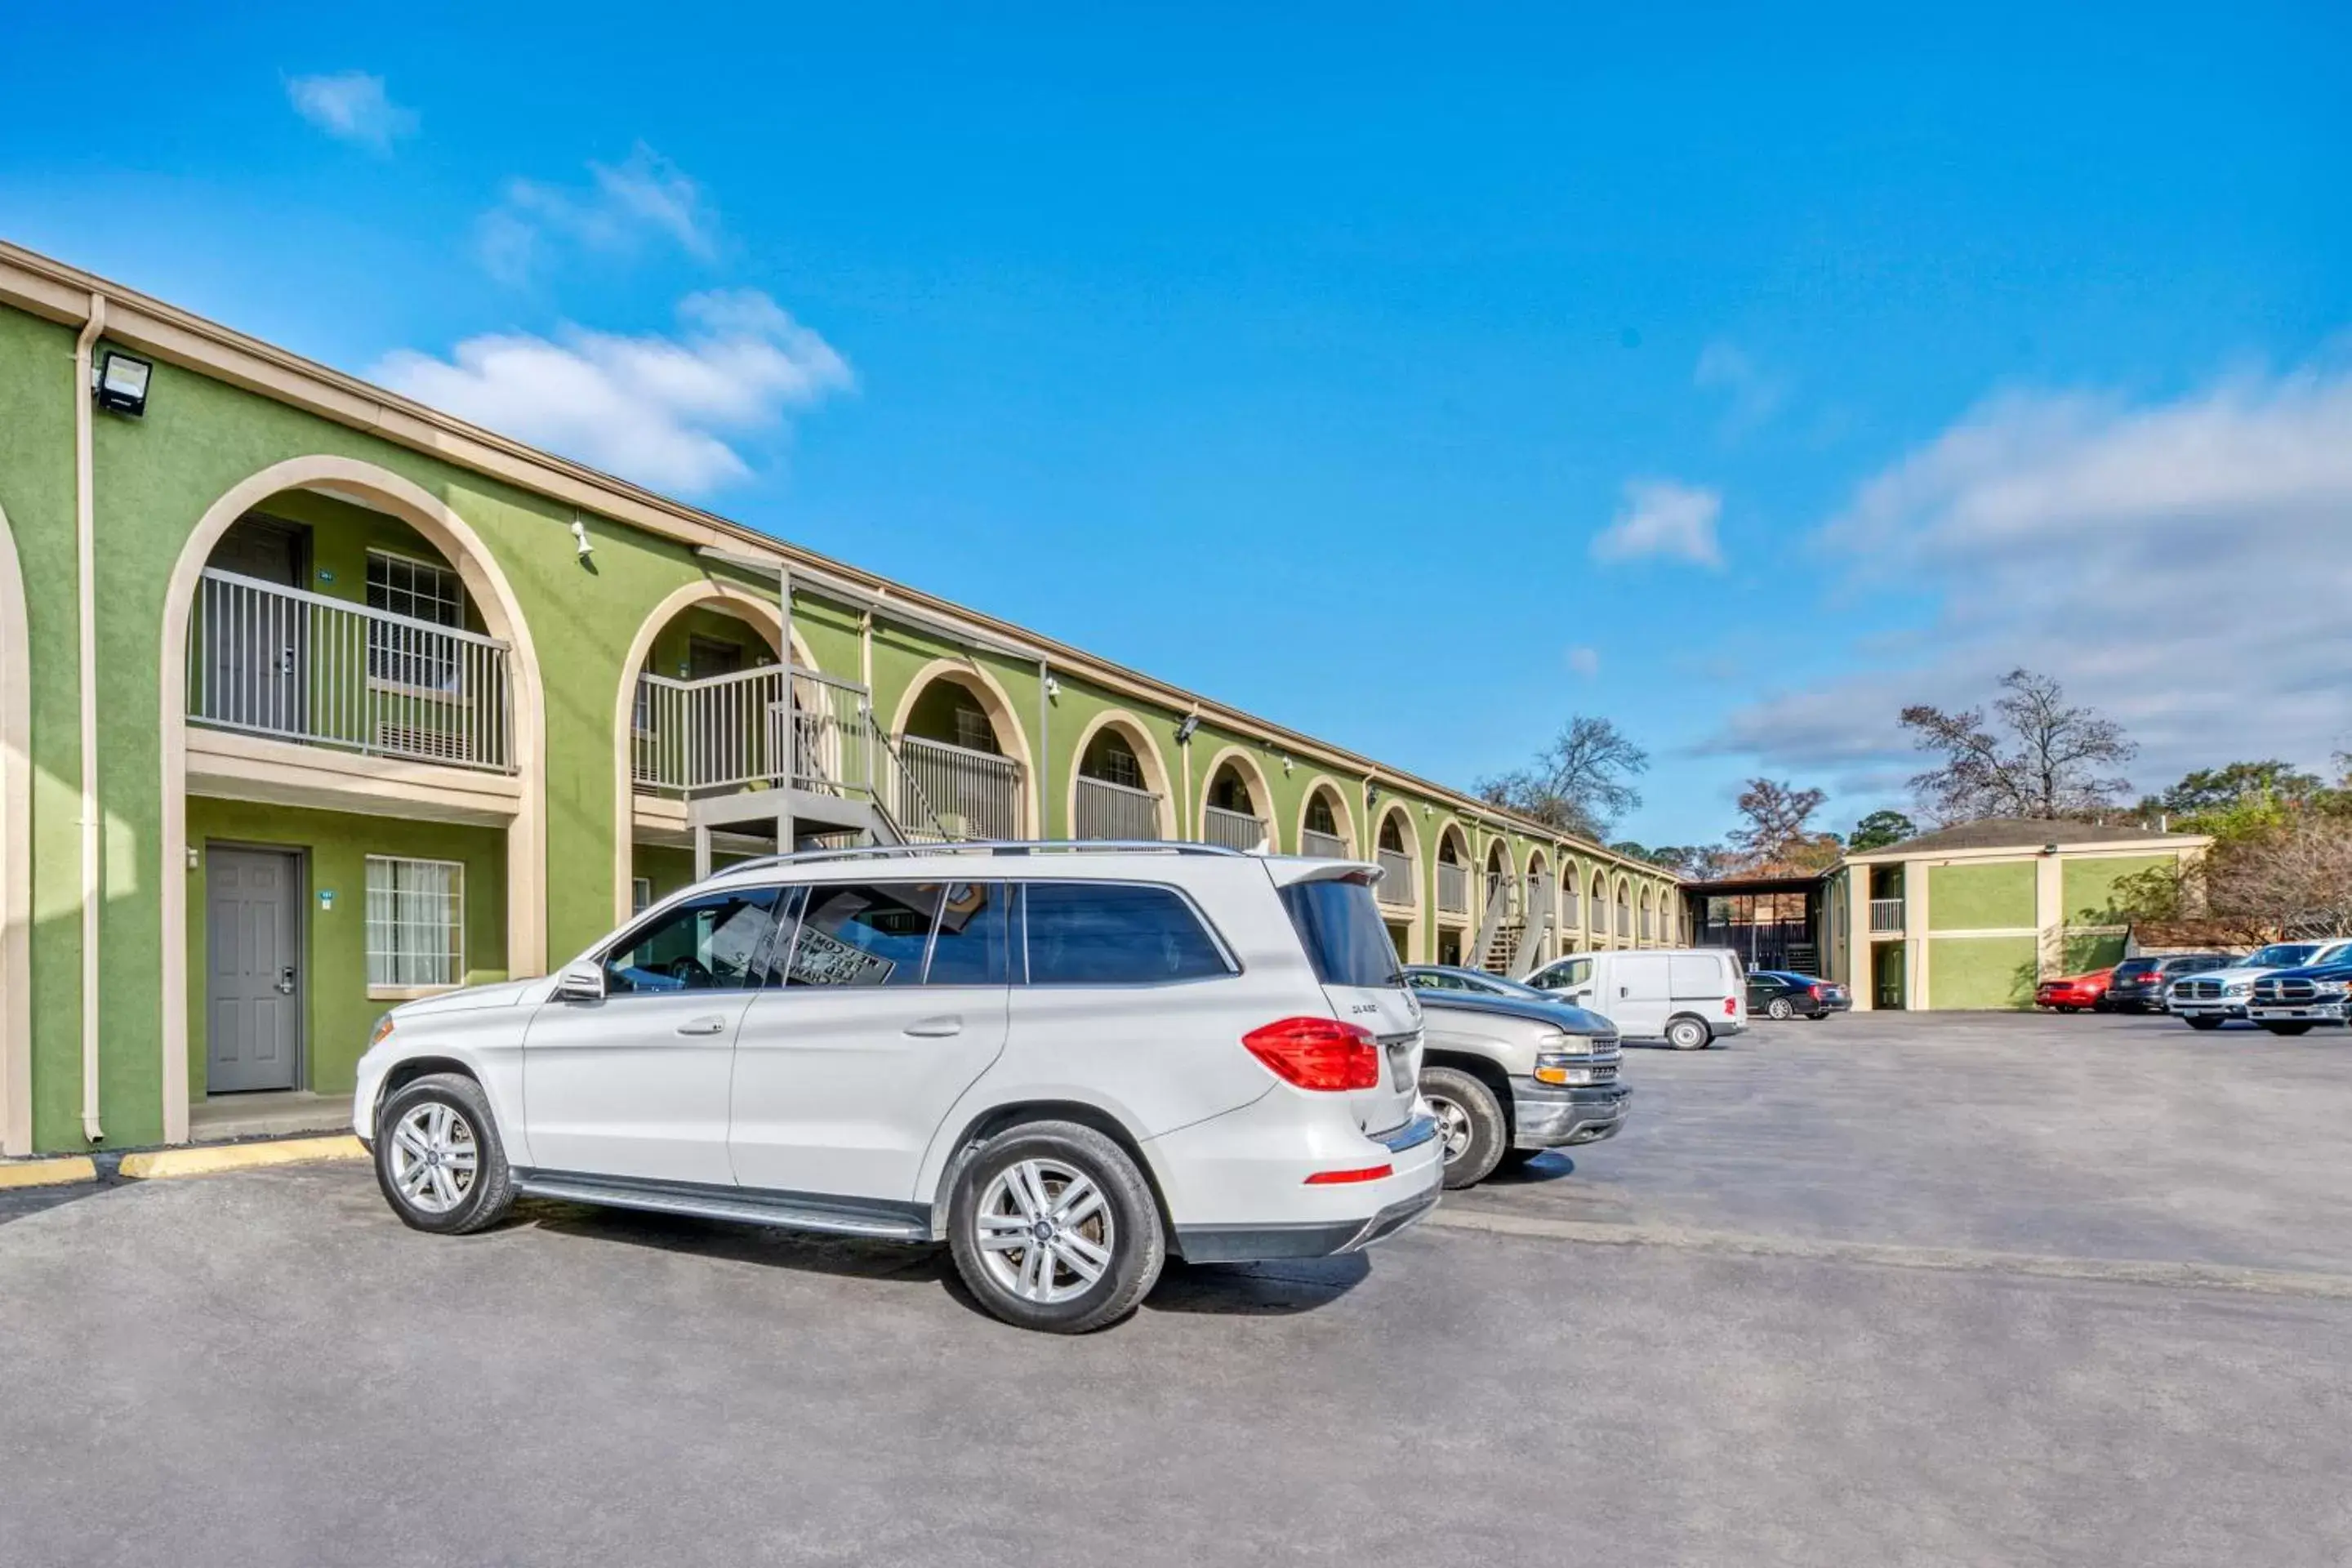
x: 2072, y: 993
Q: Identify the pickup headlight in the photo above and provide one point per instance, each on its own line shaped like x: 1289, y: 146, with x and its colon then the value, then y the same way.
x: 1560, y: 1070
x: 2332, y: 987
x: 2237, y: 987
x: 1563, y: 1044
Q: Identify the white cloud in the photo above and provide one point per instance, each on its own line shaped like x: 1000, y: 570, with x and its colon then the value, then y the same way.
x: 1662, y: 517
x: 2179, y: 566
x: 350, y: 105
x: 1752, y: 394
x: 1584, y: 662
x: 646, y: 196
x: 660, y: 410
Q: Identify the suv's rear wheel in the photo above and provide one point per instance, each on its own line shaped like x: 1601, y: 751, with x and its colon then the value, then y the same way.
x: 437, y: 1156
x: 1687, y: 1034
x: 1469, y: 1121
x: 1053, y: 1228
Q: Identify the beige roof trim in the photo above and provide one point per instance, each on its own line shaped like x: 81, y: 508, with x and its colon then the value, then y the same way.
x: 2170, y: 843
x: 50, y: 288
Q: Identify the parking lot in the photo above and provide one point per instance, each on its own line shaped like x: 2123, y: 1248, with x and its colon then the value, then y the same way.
x: 1880, y: 1289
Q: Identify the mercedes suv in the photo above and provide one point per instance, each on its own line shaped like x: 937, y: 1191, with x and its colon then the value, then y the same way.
x: 1065, y: 1061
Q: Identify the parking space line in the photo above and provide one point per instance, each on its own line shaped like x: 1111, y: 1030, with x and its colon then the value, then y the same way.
x: 1940, y: 1259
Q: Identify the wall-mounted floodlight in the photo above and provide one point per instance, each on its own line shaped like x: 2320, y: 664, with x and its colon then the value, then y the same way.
x: 1371, y: 795
x: 1287, y: 766
x: 119, y: 383
x: 580, y: 541
x: 1053, y: 687
x: 1186, y: 727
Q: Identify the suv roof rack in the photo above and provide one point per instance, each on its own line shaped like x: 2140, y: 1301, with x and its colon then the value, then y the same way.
x: 970, y: 846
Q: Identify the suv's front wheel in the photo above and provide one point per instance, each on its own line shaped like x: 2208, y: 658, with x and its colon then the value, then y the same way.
x: 1053, y: 1228
x: 437, y: 1156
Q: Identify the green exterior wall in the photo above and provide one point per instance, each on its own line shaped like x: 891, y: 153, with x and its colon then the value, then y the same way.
x: 2088, y: 889
x: 2086, y: 951
x: 339, y: 1013
x: 1980, y: 971
x: 1980, y: 896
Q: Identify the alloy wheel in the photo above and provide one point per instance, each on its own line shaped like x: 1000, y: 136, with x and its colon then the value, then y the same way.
x: 433, y: 1157
x: 1453, y: 1126
x: 1045, y: 1231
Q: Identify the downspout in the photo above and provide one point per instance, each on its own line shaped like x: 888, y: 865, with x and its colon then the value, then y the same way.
x: 86, y: 563
x: 1046, y: 753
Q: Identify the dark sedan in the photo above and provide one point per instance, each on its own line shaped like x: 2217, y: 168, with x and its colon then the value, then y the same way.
x: 1780, y: 994
x: 2138, y: 984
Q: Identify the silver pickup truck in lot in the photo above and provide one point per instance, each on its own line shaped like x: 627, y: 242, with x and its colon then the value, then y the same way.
x: 1509, y: 1076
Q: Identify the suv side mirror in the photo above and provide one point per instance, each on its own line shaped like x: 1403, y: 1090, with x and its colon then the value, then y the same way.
x: 582, y: 982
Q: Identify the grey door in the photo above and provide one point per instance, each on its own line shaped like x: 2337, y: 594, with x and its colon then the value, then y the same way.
x: 253, y: 986
x: 256, y: 640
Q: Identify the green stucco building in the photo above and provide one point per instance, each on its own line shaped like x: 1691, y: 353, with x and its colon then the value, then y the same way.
x: 313, y: 698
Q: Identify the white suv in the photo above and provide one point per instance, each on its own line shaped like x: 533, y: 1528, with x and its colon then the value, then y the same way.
x: 1065, y: 1061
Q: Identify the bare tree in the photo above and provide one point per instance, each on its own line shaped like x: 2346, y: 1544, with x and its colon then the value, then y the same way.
x: 2291, y: 877
x: 2046, y: 764
x: 1578, y: 783
x: 1779, y: 835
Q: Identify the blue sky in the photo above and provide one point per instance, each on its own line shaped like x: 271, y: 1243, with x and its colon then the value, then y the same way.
x: 1738, y: 380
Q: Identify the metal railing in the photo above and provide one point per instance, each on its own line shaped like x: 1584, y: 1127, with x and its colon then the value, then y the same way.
x: 271, y: 660
x: 1324, y: 845
x: 954, y: 791
x: 1453, y: 888
x: 1885, y: 915
x: 1108, y: 809
x: 1234, y: 829
x: 730, y: 731
x: 1396, y: 878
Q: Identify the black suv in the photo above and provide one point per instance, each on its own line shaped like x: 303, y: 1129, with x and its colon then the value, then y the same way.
x: 2138, y: 984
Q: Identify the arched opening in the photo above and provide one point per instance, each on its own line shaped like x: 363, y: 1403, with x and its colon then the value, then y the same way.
x: 1323, y: 827
x: 1236, y: 810
x: 961, y: 765
x: 1120, y: 788
x: 1599, y: 912
x: 351, y: 723
x: 1571, y: 906
x: 1624, y: 921
x: 1453, y: 889
x: 1499, y: 909
x: 1400, y: 868
x: 15, y: 855
x: 1540, y: 906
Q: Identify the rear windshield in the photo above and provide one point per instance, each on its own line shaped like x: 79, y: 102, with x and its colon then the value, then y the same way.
x: 2133, y: 968
x: 1340, y: 927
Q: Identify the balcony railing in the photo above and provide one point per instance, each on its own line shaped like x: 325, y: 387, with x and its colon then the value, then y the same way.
x: 1323, y: 846
x: 1452, y: 888
x: 1396, y: 878
x: 1234, y: 829
x: 271, y: 660
x: 1885, y: 915
x: 732, y: 731
x: 943, y: 791
x: 1107, y: 809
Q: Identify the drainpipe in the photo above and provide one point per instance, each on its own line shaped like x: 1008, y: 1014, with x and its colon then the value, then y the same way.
x: 1046, y: 753
x: 85, y: 560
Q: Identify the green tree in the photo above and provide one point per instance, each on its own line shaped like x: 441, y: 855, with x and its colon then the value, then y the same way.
x: 2212, y: 794
x: 1879, y: 829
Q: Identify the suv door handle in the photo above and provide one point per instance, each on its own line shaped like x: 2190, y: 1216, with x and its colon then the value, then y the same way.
x: 704, y: 1027
x: 939, y: 1029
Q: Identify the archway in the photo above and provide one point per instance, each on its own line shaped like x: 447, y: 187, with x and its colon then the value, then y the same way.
x: 1598, y: 916
x: 1540, y: 895
x: 15, y: 855
x: 1623, y: 923
x: 1237, y: 808
x: 1119, y: 788
x: 380, y: 490
x: 1325, y: 827
x: 711, y: 594
x: 1397, y: 849
x: 962, y: 763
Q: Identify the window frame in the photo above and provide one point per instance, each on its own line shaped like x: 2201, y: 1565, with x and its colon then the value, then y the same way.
x: 368, y: 953
x: 762, y: 956
x: 1020, y: 972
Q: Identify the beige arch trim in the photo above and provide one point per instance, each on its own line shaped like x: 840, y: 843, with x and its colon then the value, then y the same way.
x: 764, y: 617
x: 1260, y: 792
x: 1324, y: 783
x: 16, y: 855
x: 1453, y: 830
x: 526, y: 834
x: 1156, y: 776
x: 1416, y: 915
x: 1003, y: 717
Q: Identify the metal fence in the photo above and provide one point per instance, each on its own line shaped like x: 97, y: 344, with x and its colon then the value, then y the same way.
x: 1234, y: 829
x: 1324, y: 845
x: 1885, y: 915
x: 272, y: 660
x: 1396, y: 878
x: 1453, y: 888
x: 1107, y: 809
x: 726, y: 731
x: 954, y: 792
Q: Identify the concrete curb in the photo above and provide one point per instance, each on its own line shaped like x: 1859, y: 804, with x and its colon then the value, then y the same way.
x: 58, y: 1173
x: 156, y: 1163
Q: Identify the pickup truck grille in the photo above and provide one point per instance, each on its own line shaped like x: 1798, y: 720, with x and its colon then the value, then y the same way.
x: 2285, y: 991
x: 2198, y: 990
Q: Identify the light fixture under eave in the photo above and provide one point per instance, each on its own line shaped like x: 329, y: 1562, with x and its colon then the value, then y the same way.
x: 1187, y: 727
x: 580, y: 538
x: 119, y: 383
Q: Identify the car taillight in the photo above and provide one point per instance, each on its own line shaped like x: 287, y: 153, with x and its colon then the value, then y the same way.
x: 1815, y: 992
x: 1360, y: 1174
x: 1318, y: 1053
x: 1731, y: 1006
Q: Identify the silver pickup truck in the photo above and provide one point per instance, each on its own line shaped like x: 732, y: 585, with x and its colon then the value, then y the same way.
x: 1508, y: 1075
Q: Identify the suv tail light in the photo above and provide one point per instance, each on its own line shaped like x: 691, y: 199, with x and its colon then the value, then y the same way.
x: 1318, y: 1053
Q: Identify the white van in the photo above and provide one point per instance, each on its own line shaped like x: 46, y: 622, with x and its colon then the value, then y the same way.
x: 1685, y: 996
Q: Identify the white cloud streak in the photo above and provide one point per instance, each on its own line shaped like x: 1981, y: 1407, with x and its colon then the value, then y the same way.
x: 661, y: 410
x: 1584, y: 662
x: 646, y: 197
x: 1661, y: 518
x: 1752, y: 395
x: 352, y: 106
x: 2179, y: 566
